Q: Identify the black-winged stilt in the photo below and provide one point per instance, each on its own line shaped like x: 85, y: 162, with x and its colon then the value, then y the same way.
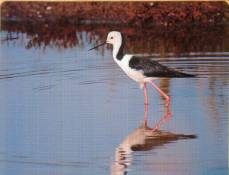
x: 141, y: 69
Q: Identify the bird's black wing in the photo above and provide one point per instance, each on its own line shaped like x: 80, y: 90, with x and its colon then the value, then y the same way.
x: 152, y: 68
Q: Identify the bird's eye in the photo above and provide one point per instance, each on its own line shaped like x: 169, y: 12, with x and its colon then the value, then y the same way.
x: 112, y: 37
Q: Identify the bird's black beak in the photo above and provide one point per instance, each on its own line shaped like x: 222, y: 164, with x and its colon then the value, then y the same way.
x: 98, y: 46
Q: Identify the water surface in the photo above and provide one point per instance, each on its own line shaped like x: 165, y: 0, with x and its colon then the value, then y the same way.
x: 65, y: 110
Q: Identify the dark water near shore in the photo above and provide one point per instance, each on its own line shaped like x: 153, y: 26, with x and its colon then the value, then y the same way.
x: 65, y: 110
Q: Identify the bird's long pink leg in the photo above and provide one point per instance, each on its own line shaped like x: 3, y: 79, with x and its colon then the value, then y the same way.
x: 161, y: 92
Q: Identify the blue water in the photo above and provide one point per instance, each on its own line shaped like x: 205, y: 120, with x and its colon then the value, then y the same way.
x: 67, y: 111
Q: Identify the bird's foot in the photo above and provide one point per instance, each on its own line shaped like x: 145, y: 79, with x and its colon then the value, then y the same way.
x: 154, y: 129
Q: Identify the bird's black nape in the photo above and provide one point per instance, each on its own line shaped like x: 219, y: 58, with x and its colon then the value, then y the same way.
x: 97, y: 46
x: 120, y: 53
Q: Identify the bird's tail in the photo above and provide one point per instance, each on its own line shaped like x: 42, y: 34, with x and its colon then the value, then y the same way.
x: 181, y: 74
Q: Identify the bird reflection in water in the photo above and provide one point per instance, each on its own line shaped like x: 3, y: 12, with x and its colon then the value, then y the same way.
x: 143, y: 138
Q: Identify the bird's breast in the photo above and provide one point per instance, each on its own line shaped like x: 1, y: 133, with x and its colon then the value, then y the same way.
x: 134, y: 74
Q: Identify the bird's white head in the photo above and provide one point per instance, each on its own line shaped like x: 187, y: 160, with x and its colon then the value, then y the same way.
x: 114, y: 38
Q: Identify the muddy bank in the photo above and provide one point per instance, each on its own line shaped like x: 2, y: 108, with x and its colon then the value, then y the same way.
x: 143, y: 14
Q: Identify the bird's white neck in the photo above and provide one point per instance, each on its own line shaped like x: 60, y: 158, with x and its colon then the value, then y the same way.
x: 118, y: 51
x: 116, y: 48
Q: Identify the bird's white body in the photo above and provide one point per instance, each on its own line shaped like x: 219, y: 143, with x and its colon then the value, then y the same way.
x: 136, y: 75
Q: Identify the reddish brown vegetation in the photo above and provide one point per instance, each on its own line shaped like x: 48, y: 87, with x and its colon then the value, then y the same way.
x: 144, y: 14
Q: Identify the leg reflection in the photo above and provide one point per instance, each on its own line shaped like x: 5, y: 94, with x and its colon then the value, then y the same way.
x: 145, y: 115
x: 165, y: 118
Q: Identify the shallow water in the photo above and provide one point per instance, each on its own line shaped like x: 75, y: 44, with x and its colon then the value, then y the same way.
x: 65, y: 110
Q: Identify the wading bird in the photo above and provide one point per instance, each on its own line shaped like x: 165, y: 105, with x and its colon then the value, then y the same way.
x: 141, y: 69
